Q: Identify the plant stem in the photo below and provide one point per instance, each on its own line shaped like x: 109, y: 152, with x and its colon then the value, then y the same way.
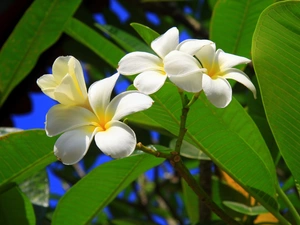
x: 290, y: 206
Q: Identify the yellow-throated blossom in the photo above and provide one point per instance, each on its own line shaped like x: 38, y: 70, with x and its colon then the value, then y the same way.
x: 66, y: 84
x: 208, y: 69
x: 79, y: 125
x: 150, y: 67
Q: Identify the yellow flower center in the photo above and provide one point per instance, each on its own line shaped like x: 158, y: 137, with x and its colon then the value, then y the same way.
x: 213, y: 70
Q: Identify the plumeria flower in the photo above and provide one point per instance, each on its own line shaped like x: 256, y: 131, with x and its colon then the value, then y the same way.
x: 66, y: 85
x: 209, y: 70
x: 80, y: 125
x: 150, y: 67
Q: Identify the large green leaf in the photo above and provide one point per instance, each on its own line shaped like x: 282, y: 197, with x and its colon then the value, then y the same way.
x: 90, y: 38
x: 228, y: 136
x: 22, y: 154
x: 233, y: 23
x: 15, y: 208
x: 276, y: 57
x: 39, y: 28
x: 98, y: 188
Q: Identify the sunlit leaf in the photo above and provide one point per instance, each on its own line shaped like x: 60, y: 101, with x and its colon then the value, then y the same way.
x: 233, y: 24
x: 98, y: 188
x: 16, y: 208
x: 244, y: 209
x: 276, y: 61
x: 146, y: 33
x: 22, y: 154
x: 39, y: 28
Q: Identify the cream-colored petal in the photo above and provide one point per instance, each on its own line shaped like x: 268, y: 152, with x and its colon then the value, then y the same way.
x: 72, y: 145
x: 117, y: 141
x: 100, y: 94
x: 76, y: 72
x: 178, y: 63
x: 61, y: 118
x: 166, y: 42
x: 240, y: 77
x: 206, y: 56
x: 60, y: 68
x: 47, y: 84
x: 149, y: 82
x: 227, y: 60
x: 126, y: 103
x: 192, y: 46
x: 67, y: 92
x: 218, y: 91
x: 137, y: 62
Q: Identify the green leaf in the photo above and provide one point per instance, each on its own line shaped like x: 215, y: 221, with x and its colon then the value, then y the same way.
x: 244, y: 209
x: 188, y: 150
x: 22, y: 154
x: 99, y: 187
x: 145, y: 32
x: 36, y: 188
x: 15, y: 208
x: 228, y: 136
x: 233, y: 24
x: 276, y: 61
x: 191, y: 202
x: 124, y: 39
x: 90, y: 38
x: 39, y: 28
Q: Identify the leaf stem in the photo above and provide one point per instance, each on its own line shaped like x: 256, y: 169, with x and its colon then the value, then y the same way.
x: 203, y: 196
x: 290, y: 206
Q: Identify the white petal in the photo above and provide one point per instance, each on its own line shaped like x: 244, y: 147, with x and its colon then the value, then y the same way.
x: 218, y: 91
x: 68, y: 93
x: 100, y: 94
x: 117, y: 141
x: 206, y: 56
x: 166, y: 42
x: 60, y: 68
x: 137, y: 62
x: 180, y: 63
x: 71, y: 146
x: 191, y: 82
x: 149, y: 82
x: 47, y: 84
x: 191, y: 46
x: 240, y: 77
x: 61, y: 118
x: 126, y: 103
x: 227, y: 60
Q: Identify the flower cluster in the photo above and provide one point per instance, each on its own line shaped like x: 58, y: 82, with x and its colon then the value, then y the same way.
x: 82, y: 116
x: 192, y: 65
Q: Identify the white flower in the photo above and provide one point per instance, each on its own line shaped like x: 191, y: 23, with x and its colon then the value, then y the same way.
x: 207, y: 70
x: 150, y: 67
x: 66, y: 85
x: 80, y: 125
